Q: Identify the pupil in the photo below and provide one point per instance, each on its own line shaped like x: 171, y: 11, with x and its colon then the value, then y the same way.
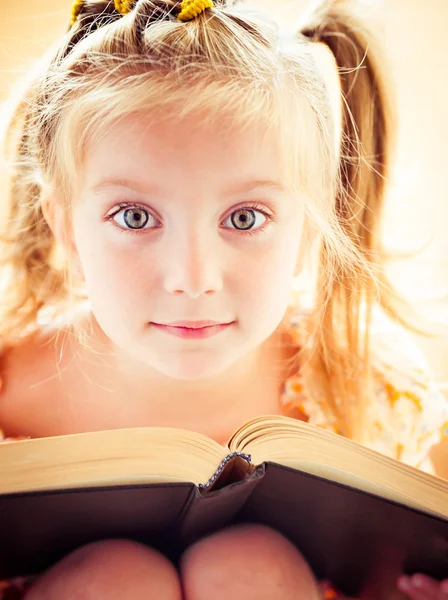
x: 244, y: 218
x: 135, y: 219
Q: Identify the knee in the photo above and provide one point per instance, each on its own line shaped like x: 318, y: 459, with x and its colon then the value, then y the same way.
x: 110, y: 569
x: 247, y: 561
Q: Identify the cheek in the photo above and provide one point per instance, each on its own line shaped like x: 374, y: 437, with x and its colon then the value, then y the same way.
x: 267, y: 281
x: 117, y: 278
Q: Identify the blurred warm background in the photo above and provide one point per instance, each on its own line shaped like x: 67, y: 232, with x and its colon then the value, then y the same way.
x: 414, y: 35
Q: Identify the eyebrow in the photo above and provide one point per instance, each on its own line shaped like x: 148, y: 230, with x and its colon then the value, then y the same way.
x: 244, y: 187
x: 105, y: 184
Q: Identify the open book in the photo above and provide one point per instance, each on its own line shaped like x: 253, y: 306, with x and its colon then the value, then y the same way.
x: 346, y: 507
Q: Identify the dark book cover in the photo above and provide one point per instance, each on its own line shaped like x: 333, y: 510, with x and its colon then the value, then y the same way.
x: 349, y: 536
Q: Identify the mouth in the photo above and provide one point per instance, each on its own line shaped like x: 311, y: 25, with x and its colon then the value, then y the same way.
x: 190, y: 332
x: 193, y: 324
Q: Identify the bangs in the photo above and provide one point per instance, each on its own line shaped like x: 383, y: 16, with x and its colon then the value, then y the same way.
x: 273, y: 111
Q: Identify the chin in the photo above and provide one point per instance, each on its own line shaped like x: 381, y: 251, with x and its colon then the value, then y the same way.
x: 192, y: 368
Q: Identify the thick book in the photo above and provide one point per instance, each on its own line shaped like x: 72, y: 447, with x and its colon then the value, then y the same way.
x: 359, y: 517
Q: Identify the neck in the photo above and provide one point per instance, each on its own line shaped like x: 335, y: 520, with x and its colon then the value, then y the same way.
x: 215, y: 407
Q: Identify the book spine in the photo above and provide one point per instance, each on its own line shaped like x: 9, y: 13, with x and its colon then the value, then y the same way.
x: 228, y: 459
x: 216, y: 509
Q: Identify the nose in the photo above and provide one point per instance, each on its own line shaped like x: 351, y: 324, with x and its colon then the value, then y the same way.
x: 192, y: 265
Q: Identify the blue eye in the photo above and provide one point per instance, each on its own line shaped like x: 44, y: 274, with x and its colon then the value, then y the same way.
x: 134, y: 217
x: 246, y: 218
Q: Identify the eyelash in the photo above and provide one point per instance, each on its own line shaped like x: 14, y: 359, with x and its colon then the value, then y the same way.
x: 125, y: 205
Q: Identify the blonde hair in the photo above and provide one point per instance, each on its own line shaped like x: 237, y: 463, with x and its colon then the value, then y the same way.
x: 233, y: 62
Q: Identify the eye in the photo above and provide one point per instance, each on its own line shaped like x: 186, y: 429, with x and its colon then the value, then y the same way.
x: 133, y: 217
x: 247, y: 218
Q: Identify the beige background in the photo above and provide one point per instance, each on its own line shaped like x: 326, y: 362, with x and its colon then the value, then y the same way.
x: 414, y: 34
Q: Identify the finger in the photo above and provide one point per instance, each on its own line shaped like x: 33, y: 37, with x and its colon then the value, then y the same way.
x: 439, y: 588
x: 418, y: 587
x: 426, y: 584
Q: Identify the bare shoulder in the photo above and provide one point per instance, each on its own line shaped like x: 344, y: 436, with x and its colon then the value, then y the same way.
x: 32, y: 374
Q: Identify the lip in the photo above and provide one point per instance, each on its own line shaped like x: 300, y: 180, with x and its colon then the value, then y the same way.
x: 193, y: 324
x: 193, y: 333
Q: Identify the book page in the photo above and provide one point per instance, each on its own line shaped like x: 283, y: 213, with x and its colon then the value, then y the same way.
x: 298, y: 445
x: 118, y: 457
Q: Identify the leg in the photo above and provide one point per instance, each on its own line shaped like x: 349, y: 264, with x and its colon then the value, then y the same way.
x: 109, y: 570
x: 246, y: 562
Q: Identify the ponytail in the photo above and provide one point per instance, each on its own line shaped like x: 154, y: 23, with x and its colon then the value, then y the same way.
x: 366, y: 145
x: 367, y: 132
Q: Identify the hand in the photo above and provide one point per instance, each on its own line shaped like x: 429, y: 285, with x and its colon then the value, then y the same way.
x: 422, y: 587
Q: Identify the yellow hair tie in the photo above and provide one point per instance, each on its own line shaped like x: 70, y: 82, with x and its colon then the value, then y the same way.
x: 122, y: 6
x: 190, y: 9
x: 76, y: 9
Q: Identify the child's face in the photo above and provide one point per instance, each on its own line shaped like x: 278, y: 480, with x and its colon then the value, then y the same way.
x: 182, y: 251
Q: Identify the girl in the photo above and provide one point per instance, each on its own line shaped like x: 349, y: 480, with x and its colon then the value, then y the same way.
x: 174, y: 166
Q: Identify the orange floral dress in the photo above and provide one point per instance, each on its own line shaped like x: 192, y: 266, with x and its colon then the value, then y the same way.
x: 409, y: 411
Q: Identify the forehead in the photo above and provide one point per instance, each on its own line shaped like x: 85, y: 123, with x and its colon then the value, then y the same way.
x: 203, y: 146
x: 141, y: 131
